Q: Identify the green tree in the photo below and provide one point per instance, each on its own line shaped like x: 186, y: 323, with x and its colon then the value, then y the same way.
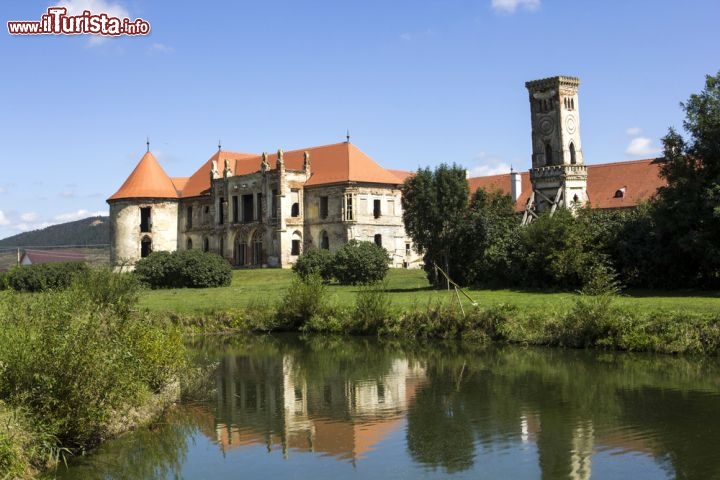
x: 687, y: 210
x: 435, y: 208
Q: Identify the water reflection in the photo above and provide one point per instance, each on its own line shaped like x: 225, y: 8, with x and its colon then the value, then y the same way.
x: 323, y: 408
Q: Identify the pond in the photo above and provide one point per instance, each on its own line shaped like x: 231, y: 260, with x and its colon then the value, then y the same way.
x: 318, y: 407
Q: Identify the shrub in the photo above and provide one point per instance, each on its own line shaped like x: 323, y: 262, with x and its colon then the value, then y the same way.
x: 4, y: 281
x: 118, y: 292
x: 46, y: 276
x: 360, y: 263
x: 315, y: 262
x: 304, y: 299
x: 373, y: 308
x: 184, y: 269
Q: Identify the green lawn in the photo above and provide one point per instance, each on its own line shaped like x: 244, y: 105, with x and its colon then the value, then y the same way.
x: 407, y: 288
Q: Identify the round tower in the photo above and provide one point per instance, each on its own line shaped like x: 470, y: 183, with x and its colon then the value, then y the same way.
x: 143, y: 214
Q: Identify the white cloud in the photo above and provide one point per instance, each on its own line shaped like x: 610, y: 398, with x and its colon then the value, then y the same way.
x: 79, y: 215
x: 3, y: 219
x: 96, y: 7
x: 511, y: 6
x: 489, y: 165
x: 159, y: 49
x: 2, y: 190
x: 29, y: 217
x: 641, y: 147
x: 634, y: 131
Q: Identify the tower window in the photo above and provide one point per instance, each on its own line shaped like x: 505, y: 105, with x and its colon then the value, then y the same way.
x: 295, y: 199
x: 145, y: 220
x: 145, y: 247
x: 548, y: 154
x: 573, y: 160
x: 349, y: 214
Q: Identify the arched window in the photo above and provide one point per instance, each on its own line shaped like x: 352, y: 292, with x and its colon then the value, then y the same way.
x: 296, y: 244
x: 145, y: 247
x: 573, y: 159
x: 548, y: 154
x: 188, y: 244
x: 257, y: 249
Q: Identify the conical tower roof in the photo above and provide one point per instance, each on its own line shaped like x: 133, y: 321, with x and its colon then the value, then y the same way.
x: 148, y: 180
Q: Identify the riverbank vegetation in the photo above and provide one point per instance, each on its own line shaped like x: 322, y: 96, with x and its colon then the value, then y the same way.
x: 78, y: 366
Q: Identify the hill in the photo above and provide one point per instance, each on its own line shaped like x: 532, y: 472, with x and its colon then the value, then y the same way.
x: 89, y: 231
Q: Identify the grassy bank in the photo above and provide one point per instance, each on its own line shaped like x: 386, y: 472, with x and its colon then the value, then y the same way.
x: 266, y: 300
x: 77, y: 367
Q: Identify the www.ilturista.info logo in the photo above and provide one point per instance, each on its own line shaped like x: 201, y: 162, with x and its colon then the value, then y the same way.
x: 57, y: 22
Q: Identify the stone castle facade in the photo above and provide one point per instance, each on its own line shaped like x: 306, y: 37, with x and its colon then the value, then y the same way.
x: 264, y: 210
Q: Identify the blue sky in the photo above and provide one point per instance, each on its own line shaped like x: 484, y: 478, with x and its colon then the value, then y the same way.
x: 417, y: 83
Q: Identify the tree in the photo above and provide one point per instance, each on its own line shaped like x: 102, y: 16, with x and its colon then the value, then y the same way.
x: 687, y: 210
x: 435, y: 206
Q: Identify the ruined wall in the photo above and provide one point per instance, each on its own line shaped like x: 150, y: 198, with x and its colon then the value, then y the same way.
x: 125, y: 228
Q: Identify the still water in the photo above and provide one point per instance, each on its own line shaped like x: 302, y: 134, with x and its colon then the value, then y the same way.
x: 321, y: 408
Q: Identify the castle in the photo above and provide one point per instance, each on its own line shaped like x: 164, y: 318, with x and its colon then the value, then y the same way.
x: 260, y: 210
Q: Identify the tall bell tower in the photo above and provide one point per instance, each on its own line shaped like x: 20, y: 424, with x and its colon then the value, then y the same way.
x: 558, y: 175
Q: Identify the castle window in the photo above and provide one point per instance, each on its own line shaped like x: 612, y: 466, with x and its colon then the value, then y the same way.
x: 324, y: 240
x: 273, y: 206
x: 548, y: 154
x: 206, y: 244
x: 145, y: 220
x: 378, y: 240
x: 236, y: 213
x: 188, y: 217
x: 222, y: 247
x: 188, y: 244
x: 221, y: 211
x: 248, y: 210
x: 145, y: 247
x: 258, y: 207
x: 572, y: 104
x: 376, y: 208
x: 295, y: 199
x: 619, y: 193
x: 349, y: 214
x: 573, y: 160
x: 324, y: 206
x: 407, y: 249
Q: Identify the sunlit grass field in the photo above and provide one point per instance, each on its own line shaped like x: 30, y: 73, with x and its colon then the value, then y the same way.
x: 407, y: 289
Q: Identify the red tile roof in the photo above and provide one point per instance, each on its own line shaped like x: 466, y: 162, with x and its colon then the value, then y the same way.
x: 42, y: 256
x: 148, y: 180
x: 199, y: 182
x: 637, y: 179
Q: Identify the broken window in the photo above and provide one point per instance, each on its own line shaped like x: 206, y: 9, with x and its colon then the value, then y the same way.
x: 235, y: 209
x: 221, y: 211
x: 349, y: 213
x: 145, y: 220
x: 188, y: 217
x: 295, y: 202
x: 248, y: 208
x: 378, y: 240
x: 258, y: 207
x: 295, y: 249
x: 206, y: 244
x: 145, y: 247
x: 376, y: 208
x: 324, y: 206
x: 324, y: 240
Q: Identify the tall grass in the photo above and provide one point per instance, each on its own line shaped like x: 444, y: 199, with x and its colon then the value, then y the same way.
x: 74, y: 362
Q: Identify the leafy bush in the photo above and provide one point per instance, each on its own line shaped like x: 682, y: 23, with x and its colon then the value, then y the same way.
x: 184, y: 269
x: 304, y: 299
x: 373, y: 308
x: 46, y: 276
x: 118, y: 292
x: 4, y: 285
x: 315, y: 262
x: 360, y: 263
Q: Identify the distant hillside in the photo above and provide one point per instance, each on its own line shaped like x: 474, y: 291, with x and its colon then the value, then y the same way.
x: 89, y: 231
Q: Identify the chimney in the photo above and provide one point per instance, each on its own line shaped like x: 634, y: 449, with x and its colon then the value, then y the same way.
x: 515, y: 184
